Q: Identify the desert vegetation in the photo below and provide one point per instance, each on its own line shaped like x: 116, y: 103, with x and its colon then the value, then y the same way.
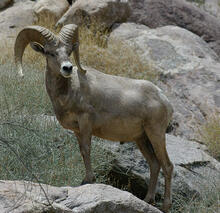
x: 34, y: 147
x: 209, y: 134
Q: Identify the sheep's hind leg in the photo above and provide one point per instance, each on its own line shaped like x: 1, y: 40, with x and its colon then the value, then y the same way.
x: 147, y: 150
x: 157, y: 138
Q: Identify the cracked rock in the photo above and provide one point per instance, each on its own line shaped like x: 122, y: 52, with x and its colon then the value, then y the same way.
x: 22, y: 196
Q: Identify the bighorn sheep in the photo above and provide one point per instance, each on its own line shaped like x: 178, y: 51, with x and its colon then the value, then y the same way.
x: 89, y: 103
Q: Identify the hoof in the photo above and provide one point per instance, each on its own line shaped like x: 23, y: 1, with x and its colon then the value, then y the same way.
x: 150, y: 200
x: 166, y: 207
x: 88, y: 181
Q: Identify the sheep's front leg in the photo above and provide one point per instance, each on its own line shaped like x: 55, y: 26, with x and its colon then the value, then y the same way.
x: 84, y: 140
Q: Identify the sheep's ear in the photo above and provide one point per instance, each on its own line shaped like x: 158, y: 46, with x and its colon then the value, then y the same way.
x: 37, y: 47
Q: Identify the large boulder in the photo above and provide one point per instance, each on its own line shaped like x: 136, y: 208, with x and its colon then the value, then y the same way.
x: 15, y: 18
x: 106, y: 12
x: 188, y: 67
x: 194, y: 170
x: 53, y: 9
x: 5, y: 3
x: 22, y: 196
x: 158, y: 13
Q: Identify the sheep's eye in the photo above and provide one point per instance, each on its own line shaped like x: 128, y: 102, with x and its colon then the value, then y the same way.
x: 50, y: 54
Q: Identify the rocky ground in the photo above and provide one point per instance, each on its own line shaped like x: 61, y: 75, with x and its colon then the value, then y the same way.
x: 21, y: 196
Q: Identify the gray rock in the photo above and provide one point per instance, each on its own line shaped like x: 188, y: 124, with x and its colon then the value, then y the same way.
x: 158, y: 13
x: 171, y: 48
x: 52, y: 9
x: 212, y: 7
x: 15, y: 18
x: 194, y: 169
x: 106, y: 12
x: 195, y: 95
x: 22, y: 196
x: 189, y: 70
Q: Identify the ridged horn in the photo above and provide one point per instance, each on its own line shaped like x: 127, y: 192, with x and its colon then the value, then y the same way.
x: 69, y: 35
x: 29, y: 34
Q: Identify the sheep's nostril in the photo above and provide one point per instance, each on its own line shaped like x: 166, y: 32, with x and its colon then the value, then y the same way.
x: 68, y: 68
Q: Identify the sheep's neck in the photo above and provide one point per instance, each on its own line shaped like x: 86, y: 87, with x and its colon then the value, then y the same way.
x: 57, y: 88
x: 64, y: 100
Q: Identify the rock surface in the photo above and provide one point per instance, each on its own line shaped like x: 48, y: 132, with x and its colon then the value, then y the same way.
x: 158, y: 13
x: 189, y: 70
x: 212, y: 7
x: 15, y: 18
x: 21, y: 196
x: 106, y: 12
x: 50, y: 8
x: 194, y: 169
x: 5, y: 3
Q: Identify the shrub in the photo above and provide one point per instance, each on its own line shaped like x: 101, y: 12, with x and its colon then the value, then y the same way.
x: 209, y: 133
x: 208, y: 202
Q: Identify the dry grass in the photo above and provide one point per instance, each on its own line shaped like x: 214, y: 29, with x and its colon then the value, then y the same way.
x: 115, y: 57
x: 46, y: 20
x: 29, y: 57
x: 209, y: 133
x: 209, y: 201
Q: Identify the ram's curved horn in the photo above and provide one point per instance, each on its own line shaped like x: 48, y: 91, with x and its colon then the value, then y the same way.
x: 69, y: 36
x: 29, y: 34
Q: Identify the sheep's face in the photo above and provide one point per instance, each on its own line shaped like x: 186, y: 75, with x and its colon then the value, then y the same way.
x: 58, y: 58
